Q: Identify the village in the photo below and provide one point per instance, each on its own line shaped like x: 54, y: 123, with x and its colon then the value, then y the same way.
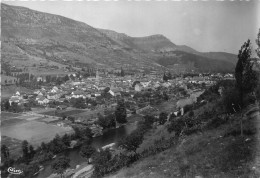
x: 82, y: 100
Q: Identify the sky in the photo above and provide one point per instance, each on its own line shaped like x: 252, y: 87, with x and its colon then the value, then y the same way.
x: 203, y: 25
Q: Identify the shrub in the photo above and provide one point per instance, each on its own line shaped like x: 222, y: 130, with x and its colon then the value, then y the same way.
x: 176, y: 125
x: 132, y: 141
x: 162, y: 118
x: 231, y: 101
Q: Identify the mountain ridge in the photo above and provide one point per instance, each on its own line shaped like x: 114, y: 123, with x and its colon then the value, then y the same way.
x: 28, y: 34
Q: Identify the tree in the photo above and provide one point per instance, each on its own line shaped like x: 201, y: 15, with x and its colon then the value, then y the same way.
x: 66, y: 78
x: 101, y: 162
x: 48, y: 78
x: 43, y: 146
x: 79, y: 103
x: 162, y: 118
x: 258, y: 54
x: 87, y: 151
x: 122, y: 72
x: 66, y: 140
x: 31, y: 151
x: 231, y: 100
x: 135, y: 82
x: 258, y: 44
x: 131, y: 142
x: 246, y: 77
x: 120, y: 112
x: 83, y: 133
x: 107, y: 121
x: 7, y: 105
x: 4, y: 152
x: 72, y: 77
x: 165, y: 78
x: 25, y: 149
x: 60, y: 165
x: 57, y: 145
x: 31, y: 77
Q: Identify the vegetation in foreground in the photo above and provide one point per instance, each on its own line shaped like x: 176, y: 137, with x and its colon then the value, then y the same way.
x: 218, y: 142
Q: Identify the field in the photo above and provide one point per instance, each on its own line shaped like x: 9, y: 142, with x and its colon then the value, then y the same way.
x: 34, y: 132
x: 89, y: 113
x: 31, y: 127
x: 63, y: 113
x: 8, y: 115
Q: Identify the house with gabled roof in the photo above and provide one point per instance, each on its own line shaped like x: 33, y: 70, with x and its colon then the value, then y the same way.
x: 14, y: 99
x: 52, y: 96
x: 43, y: 101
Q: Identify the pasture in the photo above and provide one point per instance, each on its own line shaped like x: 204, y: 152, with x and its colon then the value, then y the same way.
x: 32, y: 131
x: 61, y: 113
x: 8, y: 115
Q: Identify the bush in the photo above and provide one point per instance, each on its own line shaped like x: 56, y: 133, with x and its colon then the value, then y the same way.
x: 188, y: 108
x: 162, y: 118
x: 132, y: 141
x: 101, y: 162
x: 176, y: 125
x: 231, y: 101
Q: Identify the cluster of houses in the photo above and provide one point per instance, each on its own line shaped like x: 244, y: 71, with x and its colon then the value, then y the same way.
x: 93, y: 87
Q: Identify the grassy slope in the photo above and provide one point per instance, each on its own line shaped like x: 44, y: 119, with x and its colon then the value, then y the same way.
x: 220, y: 152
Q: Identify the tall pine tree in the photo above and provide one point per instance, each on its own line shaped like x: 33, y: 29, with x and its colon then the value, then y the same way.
x: 246, y: 77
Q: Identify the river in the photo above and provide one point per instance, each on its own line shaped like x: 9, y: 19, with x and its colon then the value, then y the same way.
x: 111, y: 136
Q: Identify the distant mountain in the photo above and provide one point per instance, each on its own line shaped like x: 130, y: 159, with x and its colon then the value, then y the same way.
x: 228, y: 57
x: 180, y: 59
x: 30, y: 37
x: 154, y: 43
x: 159, y: 43
x: 35, y: 34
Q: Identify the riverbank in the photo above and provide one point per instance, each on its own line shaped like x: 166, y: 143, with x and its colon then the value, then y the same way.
x: 111, y: 136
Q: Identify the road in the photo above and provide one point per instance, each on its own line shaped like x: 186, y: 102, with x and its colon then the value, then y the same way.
x: 87, y: 170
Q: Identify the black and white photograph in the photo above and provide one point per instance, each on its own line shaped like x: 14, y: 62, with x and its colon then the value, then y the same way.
x: 130, y: 89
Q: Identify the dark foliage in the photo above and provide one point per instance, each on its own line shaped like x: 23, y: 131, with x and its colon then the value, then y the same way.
x: 120, y: 112
x: 60, y: 165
